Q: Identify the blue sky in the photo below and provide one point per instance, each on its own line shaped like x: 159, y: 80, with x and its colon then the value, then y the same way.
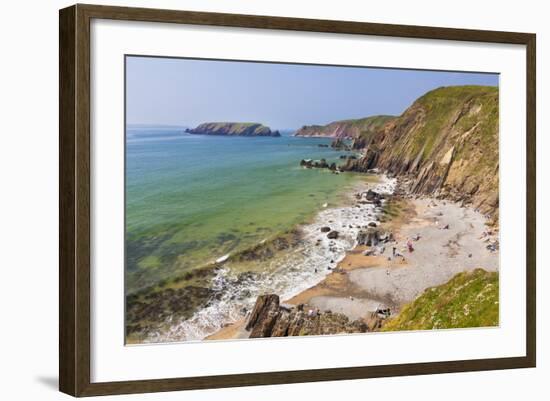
x: 188, y: 92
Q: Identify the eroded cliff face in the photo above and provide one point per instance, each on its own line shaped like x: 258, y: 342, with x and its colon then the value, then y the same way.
x: 345, y: 128
x: 233, y: 129
x: 445, y: 144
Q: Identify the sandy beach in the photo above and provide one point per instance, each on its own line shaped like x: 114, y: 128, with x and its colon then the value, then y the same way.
x: 447, y: 239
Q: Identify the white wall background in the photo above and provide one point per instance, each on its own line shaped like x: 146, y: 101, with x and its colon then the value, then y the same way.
x: 28, y: 199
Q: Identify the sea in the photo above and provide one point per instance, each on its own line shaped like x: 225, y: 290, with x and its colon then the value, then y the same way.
x: 194, y: 199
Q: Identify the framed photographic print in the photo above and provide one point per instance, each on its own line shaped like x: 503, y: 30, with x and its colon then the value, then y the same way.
x: 250, y: 200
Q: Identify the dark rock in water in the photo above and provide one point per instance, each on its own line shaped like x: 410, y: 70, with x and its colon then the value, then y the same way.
x: 148, y: 309
x: 332, y: 235
x: 322, y: 145
x: 320, y: 164
x: 325, y: 229
x: 314, y: 163
x: 372, y: 195
x: 308, y: 163
x: 268, y: 249
x: 270, y: 319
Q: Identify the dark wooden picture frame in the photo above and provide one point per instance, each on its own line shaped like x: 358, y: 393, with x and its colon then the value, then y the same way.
x: 74, y: 203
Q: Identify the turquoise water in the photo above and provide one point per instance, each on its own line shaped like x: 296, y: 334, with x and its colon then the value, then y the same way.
x: 191, y: 199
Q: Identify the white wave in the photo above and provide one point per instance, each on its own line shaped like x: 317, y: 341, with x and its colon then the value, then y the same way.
x: 304, y: 267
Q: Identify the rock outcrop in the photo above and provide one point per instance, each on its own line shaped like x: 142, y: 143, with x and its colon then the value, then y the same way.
x: 150, y: 307
x: 344, y: 129
x: 233, y: 129
x: 339, y: 144
x: 445, y: 144
x: 271, y: 319
x: 309, y: 163
x: 369, y: 237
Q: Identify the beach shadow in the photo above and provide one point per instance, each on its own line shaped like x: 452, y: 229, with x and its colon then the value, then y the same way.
x: 49, y: 381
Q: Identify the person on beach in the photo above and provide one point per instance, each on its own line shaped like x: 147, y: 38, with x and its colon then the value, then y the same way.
x: 410, y: 246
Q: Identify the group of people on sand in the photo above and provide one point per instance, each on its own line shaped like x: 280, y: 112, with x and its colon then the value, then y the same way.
x: 408, y: 247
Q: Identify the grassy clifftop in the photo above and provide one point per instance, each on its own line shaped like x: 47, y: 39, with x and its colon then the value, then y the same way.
x: 461, y: 108
x: 447, y: 143
x: 353, y: 128
x: 469, y: 299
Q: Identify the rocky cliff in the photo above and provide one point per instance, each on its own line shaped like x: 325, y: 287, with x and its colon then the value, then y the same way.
x: 445, y: 144
x: 233, y: 129
x: 345, y: 128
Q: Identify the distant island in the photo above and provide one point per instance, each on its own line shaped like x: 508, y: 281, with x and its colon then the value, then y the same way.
x: 233, y: 129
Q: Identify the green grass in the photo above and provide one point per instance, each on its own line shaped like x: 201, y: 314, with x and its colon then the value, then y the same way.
x: 360, y: 126
x: 372, y: 122
x: 469, y: 299
x: 443, y: 104
x: 368, y: 127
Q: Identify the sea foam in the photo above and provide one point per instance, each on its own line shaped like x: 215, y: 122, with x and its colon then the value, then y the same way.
x: 307, y: 265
